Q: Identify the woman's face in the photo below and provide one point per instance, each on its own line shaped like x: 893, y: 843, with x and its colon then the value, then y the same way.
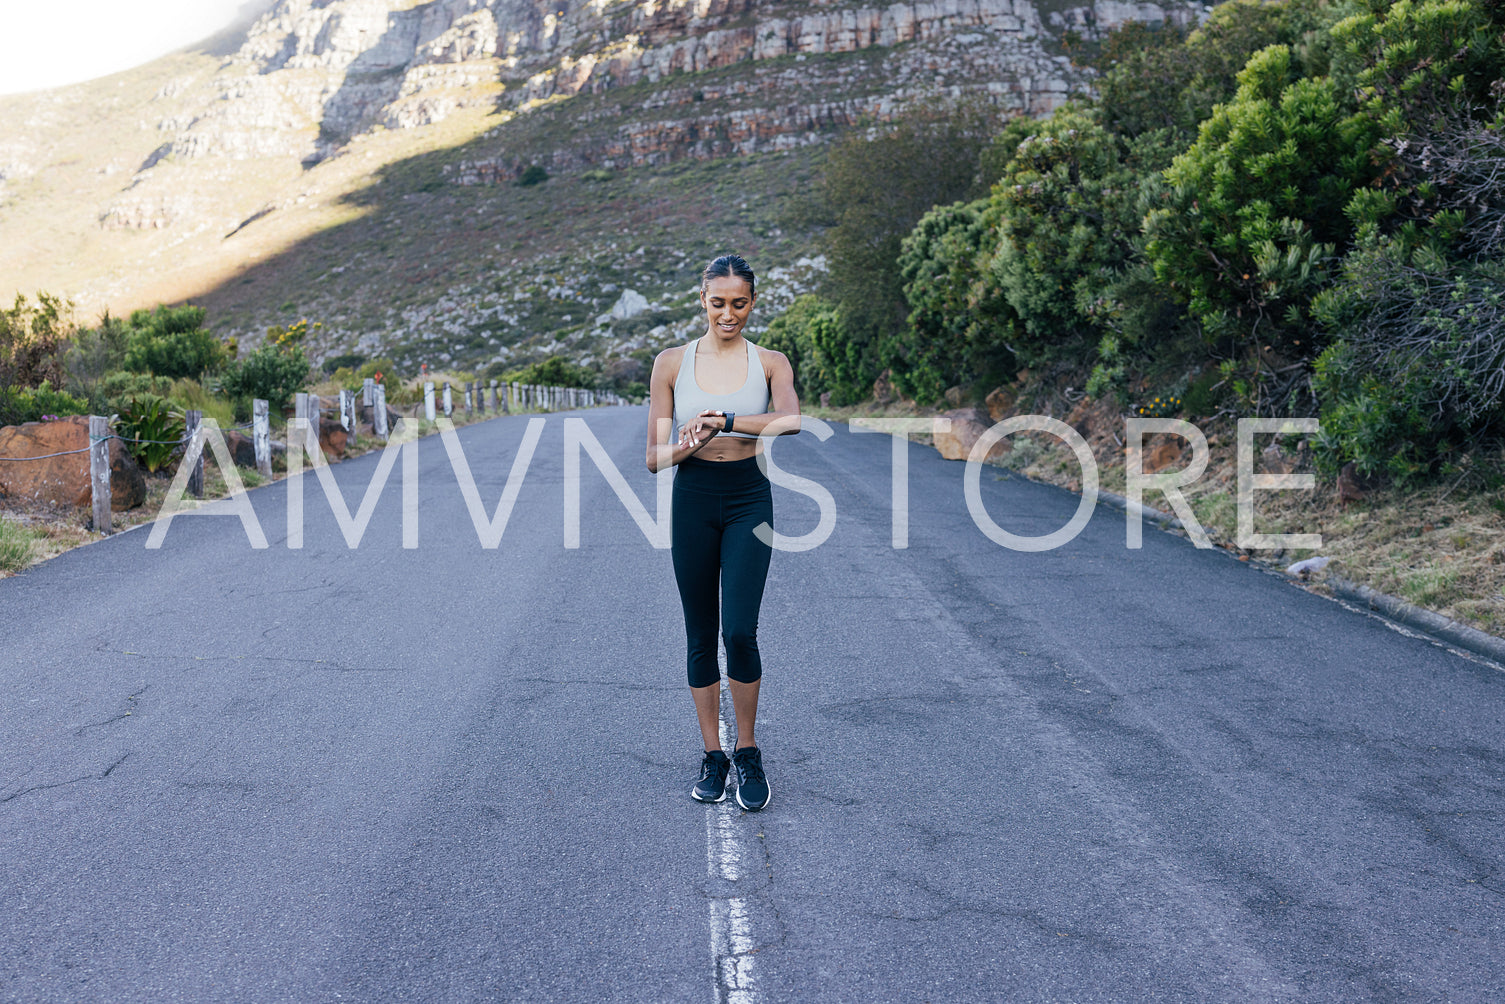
x: 727, y: 301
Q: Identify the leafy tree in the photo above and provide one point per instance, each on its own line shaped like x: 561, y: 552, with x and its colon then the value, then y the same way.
x: 33, y: 340
x: 1259, y: 207
x: 172, y: 342
x: 555, y: 371
x: 876, y: 186
x: 1066, y: 213
x: 960, y: 324
x: 811, y: 334
x: 1163, y: 79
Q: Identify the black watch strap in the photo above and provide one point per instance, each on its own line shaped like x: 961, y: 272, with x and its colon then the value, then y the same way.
x: 729, y: 416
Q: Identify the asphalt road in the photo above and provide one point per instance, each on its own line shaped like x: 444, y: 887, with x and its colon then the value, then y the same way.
x: 450, y: 773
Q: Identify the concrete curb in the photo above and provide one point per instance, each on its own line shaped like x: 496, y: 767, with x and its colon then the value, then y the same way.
x: 1468, y: 638
x: 1396, y: 609
x: 1119, y: 502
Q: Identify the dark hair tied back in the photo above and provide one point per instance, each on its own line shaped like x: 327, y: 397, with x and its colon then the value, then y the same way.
x: 730, y: 265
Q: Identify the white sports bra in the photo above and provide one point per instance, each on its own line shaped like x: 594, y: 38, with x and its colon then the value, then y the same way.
x: 690, y: 400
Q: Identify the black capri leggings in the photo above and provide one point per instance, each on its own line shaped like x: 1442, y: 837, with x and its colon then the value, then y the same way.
x: 716, y: 506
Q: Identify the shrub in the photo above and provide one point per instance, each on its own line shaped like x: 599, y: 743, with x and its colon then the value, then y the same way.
x: 93, y: 354
x: 533, y: 174
x: 33, y: 341
x: 151, y: 430
x: 116, y: 388
x: 272, y: 373
x: 171, y: 342
x: 555, y: 371
x: 959, y: 324
x: 873, y: 192
x: 347, y: 361
x: 31, y: 404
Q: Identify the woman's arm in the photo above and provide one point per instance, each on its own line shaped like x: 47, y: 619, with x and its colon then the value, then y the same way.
x: 661, y: 454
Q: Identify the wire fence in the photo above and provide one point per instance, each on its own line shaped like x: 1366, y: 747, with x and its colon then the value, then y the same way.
x: 181, y: 441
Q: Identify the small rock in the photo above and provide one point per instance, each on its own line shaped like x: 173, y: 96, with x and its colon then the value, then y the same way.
x: 1000, y: 401
x: 1273, y: 461
x: 1351, y: 485
x: 1162, y: 454
x: 1304, y: 569
x: 883, y: 389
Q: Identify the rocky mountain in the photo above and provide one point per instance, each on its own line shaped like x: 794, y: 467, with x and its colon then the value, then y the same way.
x: 317, y: 161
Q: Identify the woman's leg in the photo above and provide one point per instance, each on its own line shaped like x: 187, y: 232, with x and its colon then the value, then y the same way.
x: 695, y: 544
x: 744, y: 571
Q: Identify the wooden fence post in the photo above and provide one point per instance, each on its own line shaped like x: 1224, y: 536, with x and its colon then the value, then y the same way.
x: 469, y: 397
x: 449, y: 402
x: 491, y: 396
x: 193, y: 423
x: 349, y: 417
x: 428, y: 400
x: 99, y: 471
x: 379, y: 410
x: 261, y: 436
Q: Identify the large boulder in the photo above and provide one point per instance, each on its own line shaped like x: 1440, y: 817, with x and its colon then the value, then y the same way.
x: 63, y: 480
x: 967, y: 427
x: 243, y: 448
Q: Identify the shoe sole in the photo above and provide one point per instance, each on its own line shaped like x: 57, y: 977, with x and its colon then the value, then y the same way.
x: 708, y: 801
x: 749, y: 808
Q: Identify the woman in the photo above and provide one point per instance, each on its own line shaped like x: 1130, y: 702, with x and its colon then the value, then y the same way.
x: 721, y: 392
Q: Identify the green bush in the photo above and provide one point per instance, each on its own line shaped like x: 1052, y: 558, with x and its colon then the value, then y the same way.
x: 34, y: 340
x: 959, y: 322
x: 188, y: 394
x: 347, y: 361
x: 32, y: 404
x: 151, y: 431
x: 93, y: 355
x: 172, y: 342
x: 820, y: 350
x: 555, y: 371
x: 533, y: 174
x: 116, y: 388
x: 271, y: 373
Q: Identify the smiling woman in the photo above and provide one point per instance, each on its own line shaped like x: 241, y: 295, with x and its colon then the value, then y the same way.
x: 723, y: 393
x: 53, y: 45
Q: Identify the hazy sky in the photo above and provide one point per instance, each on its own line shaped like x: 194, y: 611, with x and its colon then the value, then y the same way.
x: 47, y: 43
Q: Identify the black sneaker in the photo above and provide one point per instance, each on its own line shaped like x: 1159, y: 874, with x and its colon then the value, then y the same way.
x: 752, y: 786
x: 712, y: 784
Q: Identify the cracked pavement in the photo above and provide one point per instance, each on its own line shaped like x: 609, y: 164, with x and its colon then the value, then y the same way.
x: 450, y: 774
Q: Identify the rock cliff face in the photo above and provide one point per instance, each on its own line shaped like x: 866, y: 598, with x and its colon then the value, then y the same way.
x: 314, y: 73
x: 347, y: 160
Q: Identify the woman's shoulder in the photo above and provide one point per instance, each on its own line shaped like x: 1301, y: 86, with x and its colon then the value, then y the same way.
x: 771, y: 359
x: 669, y: 360
x: 672, y: 356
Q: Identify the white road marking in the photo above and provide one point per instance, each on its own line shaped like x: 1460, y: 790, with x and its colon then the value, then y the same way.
x: 732, y: 969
